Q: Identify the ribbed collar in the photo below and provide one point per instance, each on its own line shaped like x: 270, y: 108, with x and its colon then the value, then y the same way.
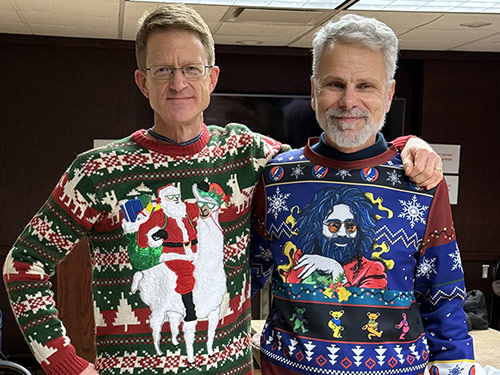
x: 320, y: 152
x: 168, y: 149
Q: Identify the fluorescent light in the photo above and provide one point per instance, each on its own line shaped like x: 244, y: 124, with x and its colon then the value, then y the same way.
x: 441, y: 6
x: 278, y: 4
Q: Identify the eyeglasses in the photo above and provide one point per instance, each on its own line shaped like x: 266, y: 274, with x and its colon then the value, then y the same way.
x: 190, y: 71
x: 335, y: 224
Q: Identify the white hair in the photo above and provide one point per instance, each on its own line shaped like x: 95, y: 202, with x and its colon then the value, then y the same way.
x: 360, y: 31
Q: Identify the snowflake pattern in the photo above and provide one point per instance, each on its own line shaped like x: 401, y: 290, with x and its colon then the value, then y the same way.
x: 457, y: 262
x: 277, y: 203
x: 457, y: 370
x: 427, y: 268
x: 343, y: 173
x: 265, y: 253
x: 297, y: 171
x: 413, y: 211
x: 393, y: 177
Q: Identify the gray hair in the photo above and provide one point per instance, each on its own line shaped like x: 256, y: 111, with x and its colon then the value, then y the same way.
x: 173, y: 16
x: 360, y: 31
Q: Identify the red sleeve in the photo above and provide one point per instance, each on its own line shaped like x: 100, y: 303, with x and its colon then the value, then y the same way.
x: 259, y: 208
x: 400, y: 142
x: 157, y: 219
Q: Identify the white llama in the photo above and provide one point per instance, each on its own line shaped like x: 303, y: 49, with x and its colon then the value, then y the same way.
x: 157, y: 284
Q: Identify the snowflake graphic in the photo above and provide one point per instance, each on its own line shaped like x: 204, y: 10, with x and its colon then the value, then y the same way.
x: 413, y: 211
x: 343, y: 173
x: 427, y: 268
x: 393, y: 177
x: 297, y: 171
x: 455, y: 257
x: 277, y: 203
x: 456, y: 370
x: 265, y: 253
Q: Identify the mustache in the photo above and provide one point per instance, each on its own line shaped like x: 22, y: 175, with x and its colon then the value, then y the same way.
x: 339, y: 112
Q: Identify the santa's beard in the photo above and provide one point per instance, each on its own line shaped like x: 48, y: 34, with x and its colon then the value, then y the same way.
x: 339, y: 133
x: 174, y: 210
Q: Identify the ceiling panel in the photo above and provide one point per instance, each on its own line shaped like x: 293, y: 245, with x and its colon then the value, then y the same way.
x: 400, y: 20
x: 96, y: 8
x: 75, y: 31
x: 118, y: 19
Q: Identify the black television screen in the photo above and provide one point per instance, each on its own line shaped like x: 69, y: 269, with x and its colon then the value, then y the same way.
x: 287, y: 118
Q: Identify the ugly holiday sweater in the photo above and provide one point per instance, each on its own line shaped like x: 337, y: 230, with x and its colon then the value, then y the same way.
x: 169, y: 230
x: 366, y: 272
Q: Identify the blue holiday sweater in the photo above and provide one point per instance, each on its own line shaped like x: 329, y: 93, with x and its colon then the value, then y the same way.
x: 365, y: 269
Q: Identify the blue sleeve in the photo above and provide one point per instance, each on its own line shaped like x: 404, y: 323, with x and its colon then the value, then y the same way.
x: 440, y: 290
x: 261, y: 259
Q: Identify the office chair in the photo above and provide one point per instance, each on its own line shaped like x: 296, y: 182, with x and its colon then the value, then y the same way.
x: 5, y: 364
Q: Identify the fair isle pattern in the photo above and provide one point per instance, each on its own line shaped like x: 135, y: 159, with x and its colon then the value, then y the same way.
x: 308, y: 369
x: 392, y: 304
x: 96, y: 197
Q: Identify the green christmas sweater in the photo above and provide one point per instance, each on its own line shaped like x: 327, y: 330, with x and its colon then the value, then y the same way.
x: 169, y: 228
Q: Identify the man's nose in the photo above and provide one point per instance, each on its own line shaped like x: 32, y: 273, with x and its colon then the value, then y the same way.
x: 349, y: 98
x: 178, y: 80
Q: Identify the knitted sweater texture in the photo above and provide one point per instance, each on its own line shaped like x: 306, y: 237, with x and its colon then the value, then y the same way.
x: 169, y: 230
x: 365, y: 270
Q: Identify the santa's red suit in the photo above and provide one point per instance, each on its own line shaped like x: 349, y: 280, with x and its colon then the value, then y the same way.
x: 175, y: 243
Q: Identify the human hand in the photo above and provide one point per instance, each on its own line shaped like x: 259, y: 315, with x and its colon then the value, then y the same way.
x: 90, y: 370
x: 314, y: 262
x: 421, y: 163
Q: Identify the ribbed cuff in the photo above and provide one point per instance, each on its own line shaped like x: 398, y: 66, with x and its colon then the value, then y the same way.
x: 400, y: 142
x: 65, y: 362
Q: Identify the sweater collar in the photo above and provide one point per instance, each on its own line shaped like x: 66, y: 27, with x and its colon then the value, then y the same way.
x: 320, y: 152
x: 169, y: 149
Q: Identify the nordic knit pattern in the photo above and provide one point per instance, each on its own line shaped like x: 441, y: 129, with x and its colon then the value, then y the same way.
x: 393, y: 301
x: 169, y: 229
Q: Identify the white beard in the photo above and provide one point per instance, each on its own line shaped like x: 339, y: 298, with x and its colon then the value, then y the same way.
x: 174, y: 210
x: 336, y: 131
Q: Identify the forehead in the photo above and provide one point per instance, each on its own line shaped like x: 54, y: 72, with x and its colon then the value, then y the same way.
x: 341, y: 211
x: 172, y: 44
x: 352, y: 61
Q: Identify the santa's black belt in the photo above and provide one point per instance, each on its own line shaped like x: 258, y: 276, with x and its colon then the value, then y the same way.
x: 180, y: 244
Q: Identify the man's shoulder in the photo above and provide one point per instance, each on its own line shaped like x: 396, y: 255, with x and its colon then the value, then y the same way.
x: 291, y: 156
x: 232, y: 129
x: 110, y: 147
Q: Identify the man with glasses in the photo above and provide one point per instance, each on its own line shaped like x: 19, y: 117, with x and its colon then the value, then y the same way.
x: 142, y: 307
x: 366, y: 271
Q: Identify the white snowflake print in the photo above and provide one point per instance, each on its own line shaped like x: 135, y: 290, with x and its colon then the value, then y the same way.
x: 277, y: 203
x: 457, y: 262
x: 265, y: 253
x: 297, y: 171
x: 393, y: 177
x: 427, y: 268
x: 343, y: 173
x: 457, y: 370
x: 413, y: 211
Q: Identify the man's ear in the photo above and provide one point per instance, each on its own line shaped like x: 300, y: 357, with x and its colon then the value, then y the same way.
x: 313, y: 97
x: 140, y: 80
x: 390, y: 95
x: 214, y: 77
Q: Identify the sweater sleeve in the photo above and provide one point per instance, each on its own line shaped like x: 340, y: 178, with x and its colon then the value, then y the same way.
x: 261, y: 260
x: 49, y: 237
x: 440, y: 290
x: 400, y: 142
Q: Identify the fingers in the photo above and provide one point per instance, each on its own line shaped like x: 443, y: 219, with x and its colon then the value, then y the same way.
x: 426, y: 170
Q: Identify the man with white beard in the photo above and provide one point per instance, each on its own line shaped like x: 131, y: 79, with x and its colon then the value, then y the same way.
x: 173, y: 226
x: 352, y: 244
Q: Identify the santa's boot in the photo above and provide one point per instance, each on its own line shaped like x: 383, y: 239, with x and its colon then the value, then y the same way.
x: 187, y: 299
